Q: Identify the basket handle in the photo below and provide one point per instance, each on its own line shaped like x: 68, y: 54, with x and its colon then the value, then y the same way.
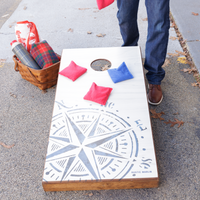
x: 33, y: 76
x: 16, y: 64
x: 37, y: 80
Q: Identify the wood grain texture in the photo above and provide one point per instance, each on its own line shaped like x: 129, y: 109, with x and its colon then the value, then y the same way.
x: 101, y: 185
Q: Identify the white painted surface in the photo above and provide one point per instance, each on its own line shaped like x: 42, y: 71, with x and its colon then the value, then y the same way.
x: 93, y: 142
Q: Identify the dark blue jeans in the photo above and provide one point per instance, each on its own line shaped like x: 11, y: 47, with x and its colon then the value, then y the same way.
x: 158, y: 33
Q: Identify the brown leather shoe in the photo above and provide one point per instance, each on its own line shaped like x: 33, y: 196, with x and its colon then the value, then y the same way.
x: 155, y: 94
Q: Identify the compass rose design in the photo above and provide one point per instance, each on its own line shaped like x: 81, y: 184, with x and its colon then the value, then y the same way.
x: 89, y: 144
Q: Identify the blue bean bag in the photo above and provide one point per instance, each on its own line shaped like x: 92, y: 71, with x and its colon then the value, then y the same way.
x: 120, y: 74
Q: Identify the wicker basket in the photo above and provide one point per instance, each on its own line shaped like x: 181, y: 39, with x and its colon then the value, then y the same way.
x: 43, y: 79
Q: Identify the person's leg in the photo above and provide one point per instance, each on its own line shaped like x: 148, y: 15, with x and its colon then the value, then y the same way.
x: 127, y: 16
x: 157, y: 39
x: 156, y: 47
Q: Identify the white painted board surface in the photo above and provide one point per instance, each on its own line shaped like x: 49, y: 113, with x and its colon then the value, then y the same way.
x: 89, y: 141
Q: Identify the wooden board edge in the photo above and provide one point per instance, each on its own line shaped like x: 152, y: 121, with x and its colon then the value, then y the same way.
x: 101, y: 185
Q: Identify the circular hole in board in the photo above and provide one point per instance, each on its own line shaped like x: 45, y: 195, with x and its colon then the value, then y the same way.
x: 100, y: 64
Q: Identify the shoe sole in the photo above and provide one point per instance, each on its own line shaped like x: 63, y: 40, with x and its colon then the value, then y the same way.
x: 155, y: 104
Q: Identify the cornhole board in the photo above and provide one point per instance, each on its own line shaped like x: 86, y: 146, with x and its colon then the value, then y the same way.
x: 96, y: 147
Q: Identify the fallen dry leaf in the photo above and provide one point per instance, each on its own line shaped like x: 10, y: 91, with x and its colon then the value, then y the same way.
x: 25, y: 8
x: 156, y: 115
x: 12, y: 24
x: 173, y: 25
x: 183, y: 60
x: 166, y: 63
x: 182, y: 41
x: 189, y: 70
x: 197, y: 76
x: 52, y: 88
x: 89, y: 32
x: 185, y: 70
x: 2, y: 62
x: 70, y: 30
x: 145, y: 19
x: 84, y: 8
x: 195, y: 14
x: 101, y: 35
x: 106, y: 67
x: 44, y: 91
x: 5, y: 15
x: 173, y: 38
x: 173, y: 54
x: 180, y: 52
x: 173, y: 123
x: 13, y: 95
x: 195, y: 84
x: 91, y: 194
x: 6, y: 146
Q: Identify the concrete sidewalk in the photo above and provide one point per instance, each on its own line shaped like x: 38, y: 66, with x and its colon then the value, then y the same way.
x: 187, y: 17
x: 25, y: 111
x: 65, y: 25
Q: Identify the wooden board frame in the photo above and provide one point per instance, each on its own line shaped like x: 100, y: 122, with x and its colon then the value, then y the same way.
x: 113, y: 148
x: 101, y: 185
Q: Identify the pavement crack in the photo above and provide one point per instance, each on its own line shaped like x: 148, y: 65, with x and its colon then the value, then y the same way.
x: 193, y: 40
x: 7, y: 33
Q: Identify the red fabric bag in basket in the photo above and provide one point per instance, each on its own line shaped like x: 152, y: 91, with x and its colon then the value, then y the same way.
x: 27, y: 34
x: 43, y: 54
